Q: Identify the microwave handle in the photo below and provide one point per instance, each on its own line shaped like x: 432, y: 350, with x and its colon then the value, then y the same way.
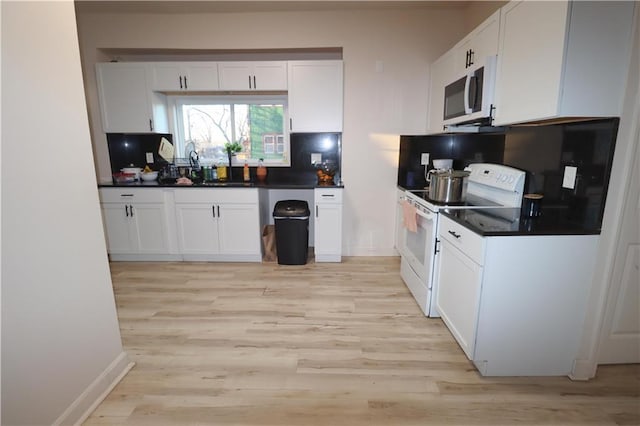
x: 467, y: 88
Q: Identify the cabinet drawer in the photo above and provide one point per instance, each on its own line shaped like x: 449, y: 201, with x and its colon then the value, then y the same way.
x: 328, y: 195
x: 467, y: 241
x: 120, y: 195
x: 216, y: 195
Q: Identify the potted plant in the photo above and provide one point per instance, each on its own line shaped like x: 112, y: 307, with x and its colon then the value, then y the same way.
x: 232, y: 148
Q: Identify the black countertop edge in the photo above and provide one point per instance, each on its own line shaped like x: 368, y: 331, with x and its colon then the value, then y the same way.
x: 265, y: 185
x: 492, y: 223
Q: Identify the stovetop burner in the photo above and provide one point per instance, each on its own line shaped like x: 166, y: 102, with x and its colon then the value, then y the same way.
x: 470, y: 200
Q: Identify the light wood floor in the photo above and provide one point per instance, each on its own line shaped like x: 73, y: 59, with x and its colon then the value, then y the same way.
x: 319, y: 344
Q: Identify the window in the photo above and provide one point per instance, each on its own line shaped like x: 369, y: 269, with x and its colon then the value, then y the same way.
x: 205, y: 123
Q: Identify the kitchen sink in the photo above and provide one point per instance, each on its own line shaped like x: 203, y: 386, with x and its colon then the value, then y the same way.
x: 226, y: 184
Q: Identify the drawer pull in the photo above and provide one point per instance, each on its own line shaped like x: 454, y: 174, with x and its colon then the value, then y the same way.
x: 454, y: 234
x: 126, y: 195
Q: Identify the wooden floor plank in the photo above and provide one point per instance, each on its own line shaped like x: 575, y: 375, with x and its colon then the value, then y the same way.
x: 319, y: 344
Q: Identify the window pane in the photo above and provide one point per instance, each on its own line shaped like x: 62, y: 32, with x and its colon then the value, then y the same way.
x: 265, y: 120
x: 209, y: 123
x: 209, y: 128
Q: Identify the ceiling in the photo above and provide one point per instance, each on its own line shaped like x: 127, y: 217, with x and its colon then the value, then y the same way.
x: 240, y: 6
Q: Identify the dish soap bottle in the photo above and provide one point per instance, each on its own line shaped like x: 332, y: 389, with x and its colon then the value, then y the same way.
x: 222, y: 172
x: 261, y: 171
x: 245, y: 172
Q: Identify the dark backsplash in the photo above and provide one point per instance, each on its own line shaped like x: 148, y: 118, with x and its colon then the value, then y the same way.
x: 131, y: 148
x: 541, y: 151
x: 126, y: 149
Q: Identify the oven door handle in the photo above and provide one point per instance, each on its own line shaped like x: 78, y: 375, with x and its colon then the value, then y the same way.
x: 426, y: 215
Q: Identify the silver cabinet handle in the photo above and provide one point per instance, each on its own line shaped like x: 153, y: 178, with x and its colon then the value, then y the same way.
x: 185, y: 82
x: 126, y: 210
x: 213, y: 210
x: 455, y: 235
x: 131, y: 210
x: 218, y: 211
x: 150, y: 125
x: 180, y: 78
x: 249, y: 82
x: 316, y: 211
x: 254, y: 82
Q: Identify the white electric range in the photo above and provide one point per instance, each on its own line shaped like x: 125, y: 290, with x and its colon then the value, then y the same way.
x: 488, y: 186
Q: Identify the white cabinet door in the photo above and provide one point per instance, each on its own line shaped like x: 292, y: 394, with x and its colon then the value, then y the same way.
x: 441, y: 74
x: 239, y: 229
x: 136, y: 228
x: 183, y: 76
x: 458, y: 296
x: 315, y: 96
x: 472, y: 51
x: 530, y: 60
x: 127, y: 103
x: 149, y: 228
x: 197, y: 228
x: 547, y: 71
x: 218, y: 224
x: 166, y: 76
x: 201, y: 76
x: 117, y: 228
x: 328, y: 225
x: 124, y: 101
x: 270, y: 75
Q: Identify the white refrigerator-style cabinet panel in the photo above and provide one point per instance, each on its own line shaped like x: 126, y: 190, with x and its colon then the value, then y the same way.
x: 315, y: 96
x: 126, y: 102
x: 562, y: 59
x: 248, y: 75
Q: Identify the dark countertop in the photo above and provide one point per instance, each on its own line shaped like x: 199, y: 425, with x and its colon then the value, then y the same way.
x: 265, y: 185
x: 507, y: 222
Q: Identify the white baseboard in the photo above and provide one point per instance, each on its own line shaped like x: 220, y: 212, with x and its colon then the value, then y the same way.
x: 583, y: 369
x: 367, y: 251
x: 96, y: 392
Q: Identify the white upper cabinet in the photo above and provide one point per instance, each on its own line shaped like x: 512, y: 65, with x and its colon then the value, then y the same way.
x: 315, y: 96
x: 441, y: 72
x: 270, y: 75
x: 126, y: 103
x: 183, y: 76
x: 472, y: 50
x: 562, y: 59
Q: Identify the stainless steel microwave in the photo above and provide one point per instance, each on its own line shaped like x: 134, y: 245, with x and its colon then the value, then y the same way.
x: 469, y: 99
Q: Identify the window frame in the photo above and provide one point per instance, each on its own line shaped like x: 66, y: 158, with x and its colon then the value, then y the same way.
x: 174, y: 103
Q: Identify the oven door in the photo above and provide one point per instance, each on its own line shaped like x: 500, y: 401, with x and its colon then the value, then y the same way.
x: 418, y: 248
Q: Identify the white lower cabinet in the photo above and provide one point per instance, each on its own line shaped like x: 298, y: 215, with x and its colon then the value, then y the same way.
x: 515, y: 304
x: 138, y: 225
x: 218, y: 224
x: 458, y: 296
x: 328, y: 224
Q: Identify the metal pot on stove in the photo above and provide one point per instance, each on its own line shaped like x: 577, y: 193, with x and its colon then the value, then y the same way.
x: 447, y: 186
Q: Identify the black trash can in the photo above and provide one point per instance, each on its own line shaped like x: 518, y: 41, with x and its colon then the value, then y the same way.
x: 291, y: 218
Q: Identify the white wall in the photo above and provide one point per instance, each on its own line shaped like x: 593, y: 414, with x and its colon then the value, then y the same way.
x: 386, y: 55
x: 61, y: 344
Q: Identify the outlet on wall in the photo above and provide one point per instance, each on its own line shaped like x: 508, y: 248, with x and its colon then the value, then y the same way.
x: 424, y: 160
x: 316, y: 157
